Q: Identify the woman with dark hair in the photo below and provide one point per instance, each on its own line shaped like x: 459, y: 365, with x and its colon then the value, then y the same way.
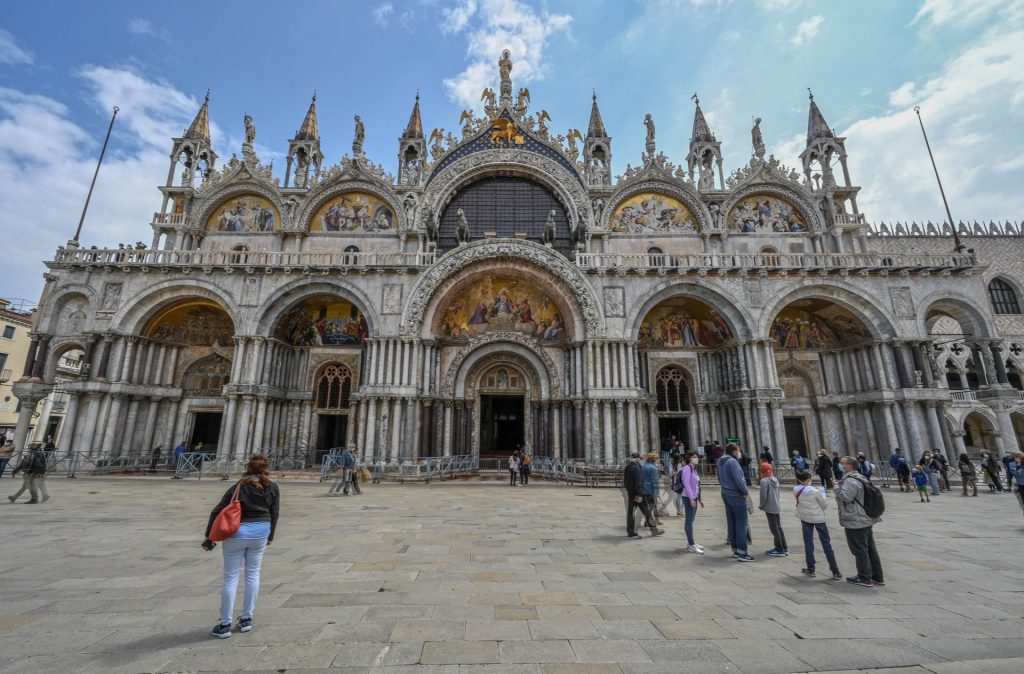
x: 261, y: 503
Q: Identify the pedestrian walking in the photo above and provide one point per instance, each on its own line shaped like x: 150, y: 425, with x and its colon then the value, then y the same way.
x: 513, y: 468
x: 179, y: 452
x: 798, y: 461
x: 6, y: 452
x: 866, y: 467
x: 811, y: 503
x: 343, y: 483
x: 525, y: 466
x: 823, y: 467
x: 766, y: 455
x: 968, y: 475
x: 676, y: 483
x: 651, y: 486
x: 357, y: 470
x: 772, y: 508
x: 632, y: 482
x: 858, y: 525
x: 921, y: 481
x: 931, y: 468
x: 1008, y: 465
x: 734, y: 494
x: 898, y: 463
x: 33, y: 479
x: 260, y: 501
x: 991, y: 468
x: 689, y: 475
x: 1017, y: 468
x: 943, y: 469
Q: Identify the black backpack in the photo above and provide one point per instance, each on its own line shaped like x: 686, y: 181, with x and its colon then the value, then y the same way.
x: 874, y: 502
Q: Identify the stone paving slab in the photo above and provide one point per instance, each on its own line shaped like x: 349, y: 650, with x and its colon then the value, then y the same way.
x: 478, y: 578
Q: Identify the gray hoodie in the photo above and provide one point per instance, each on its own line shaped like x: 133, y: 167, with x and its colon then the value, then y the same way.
x: 770, y: 495
x: 850, y: 495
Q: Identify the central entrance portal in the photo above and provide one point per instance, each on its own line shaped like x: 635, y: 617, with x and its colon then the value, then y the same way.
x: 502, y: 420
x: 206, y: 429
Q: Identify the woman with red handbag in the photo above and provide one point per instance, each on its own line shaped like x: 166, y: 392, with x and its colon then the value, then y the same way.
x: 245, y: 519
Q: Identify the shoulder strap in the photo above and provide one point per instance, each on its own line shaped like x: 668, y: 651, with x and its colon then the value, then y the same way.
x: 237, y: 489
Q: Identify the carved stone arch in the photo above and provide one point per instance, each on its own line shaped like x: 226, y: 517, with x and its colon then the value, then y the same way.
x: 794, y: 369
x: 733, y: 309
x: 875, y: 318
x: 425, y: 293
x: 689, y: 370
x: 52, y: 309
x: 58, y: 348
x: 285, y: 297
x: 324, y: 192
x: 489, y: 343
x: 206, y: 376
x: 471, y: 383
x: 961, y: 308
x: 676, y: 189
x: 800, y: 200
x: 210, y: 202
x: 134, y: 315
x: 443, y: 186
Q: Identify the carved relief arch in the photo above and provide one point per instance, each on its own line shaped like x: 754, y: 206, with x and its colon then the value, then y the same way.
x: 209, y: 204
x: 678, y: 211
x: 489, y: 349
x: 803, y: 216
x: 323, y: 196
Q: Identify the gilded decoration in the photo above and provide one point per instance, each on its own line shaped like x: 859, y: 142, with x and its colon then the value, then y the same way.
x: 323, y: 320
x: 683, y: 322
x: 354, y: 211
x: 760, y: 213
x: 817, y: 324
x: 198, y: 323
x: 506, y: 304
x: 650, y: 212
x: 247, y: 213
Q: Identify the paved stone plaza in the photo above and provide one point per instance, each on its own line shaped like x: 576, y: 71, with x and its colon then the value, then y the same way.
x: 478, y: 577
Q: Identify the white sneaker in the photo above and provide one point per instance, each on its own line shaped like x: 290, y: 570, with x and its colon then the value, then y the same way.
x: 695, y: 549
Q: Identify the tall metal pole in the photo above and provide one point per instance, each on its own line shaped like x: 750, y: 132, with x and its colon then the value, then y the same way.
x: 958, y: 246
x: 96, y: 173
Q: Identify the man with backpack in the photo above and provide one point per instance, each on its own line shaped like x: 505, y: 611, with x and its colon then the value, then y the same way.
x: 799, y: 462
x: 860, y: 506
x: 33, y: 465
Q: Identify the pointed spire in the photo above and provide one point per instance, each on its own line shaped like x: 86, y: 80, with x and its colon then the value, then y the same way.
x: 414, y: 129
x: 200, y: 127
x: 817, y: 127
x: 309, y: 130
x: 701, y: 130
x: 596, y: 127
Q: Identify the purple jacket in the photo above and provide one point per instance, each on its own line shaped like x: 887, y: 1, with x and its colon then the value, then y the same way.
x: 691, y: 482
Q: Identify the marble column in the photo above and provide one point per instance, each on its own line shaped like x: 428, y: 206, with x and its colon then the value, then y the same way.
x: 112, y: 427
x: 913, y: 430
x: 932, y: 413
x: 256, y: 443
x: 869, y: 430
x: 92, y: 414
x: 844, y: 410
x: 397, y: 416
x: 447, y: 442
x: 67, y: 431
x: 129, y: 426
x: 779, y: 426
x: 762, y: 423
x: 1008, y: 433
x: 892, y: 440
x: 609, y: 437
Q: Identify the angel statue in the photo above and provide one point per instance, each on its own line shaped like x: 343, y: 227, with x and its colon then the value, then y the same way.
x: 542, y: 118
x: 436, y: 137
x: 487, y: 98
x: 467, y: 128
x: 522, y: 101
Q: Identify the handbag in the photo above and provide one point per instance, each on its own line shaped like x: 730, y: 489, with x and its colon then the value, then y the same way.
x: 228, y: 520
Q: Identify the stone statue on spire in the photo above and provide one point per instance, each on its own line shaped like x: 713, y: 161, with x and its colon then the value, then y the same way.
x: 505, y: 73
x: 357, y: 140
x: 756, y: 139
x: 649, y: 123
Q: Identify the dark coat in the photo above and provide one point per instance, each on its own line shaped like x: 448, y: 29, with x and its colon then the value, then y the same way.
x: 632, y: 479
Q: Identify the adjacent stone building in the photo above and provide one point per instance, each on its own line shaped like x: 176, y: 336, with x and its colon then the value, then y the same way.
x: 505, y: 288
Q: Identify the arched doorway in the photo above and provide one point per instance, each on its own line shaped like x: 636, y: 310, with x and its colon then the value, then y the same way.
x: 503, y: 395
x: 979, y: 434
x: 674, y: 391
x: 332, y: 391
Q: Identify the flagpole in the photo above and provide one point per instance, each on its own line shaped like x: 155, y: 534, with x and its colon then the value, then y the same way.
x: 96, y: 173
x: 958, y: 246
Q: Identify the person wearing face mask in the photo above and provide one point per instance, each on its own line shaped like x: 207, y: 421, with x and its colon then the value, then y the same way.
x: 690, y: 478
x: 633, y: 482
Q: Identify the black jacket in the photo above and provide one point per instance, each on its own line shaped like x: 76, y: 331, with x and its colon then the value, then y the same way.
x: 823, y: 465
x: 632, y: 479
x: 258, y: 505
x: 33, y: 463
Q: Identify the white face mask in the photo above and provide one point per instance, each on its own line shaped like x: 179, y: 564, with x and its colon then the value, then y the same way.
x: 693, y: 462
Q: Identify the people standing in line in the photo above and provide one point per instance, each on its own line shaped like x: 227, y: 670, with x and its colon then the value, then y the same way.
x: 651, y: 486
x: 524, y: 468
x: 6, y: 452
x: 772, y: 507
x: 33, y: 469
x: 859, y: 527
x: 766, y: 455
x: 898, y: 463
x: 921, y: 481
x: 798, y: 461
x: 811, y: 503
x: 968, y: 474
x: 632, y: 482
x: 690, y: 475
x: 1007, y: 465
x: 734, y: 495
x: 1017, y: 468
x: 823, y: 467
x: 513, y: 468
x: 260, y: 499
x: 931, y: 469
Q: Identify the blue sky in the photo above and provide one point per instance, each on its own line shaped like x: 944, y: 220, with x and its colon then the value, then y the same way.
x: 869, y: 62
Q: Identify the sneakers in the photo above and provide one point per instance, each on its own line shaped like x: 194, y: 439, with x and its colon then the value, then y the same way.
x: 862, y: 582
x: 879, y: 583
x: 245, y: 624
x: 695, y: 549
x: 221, y: 631
x: 30, y: 502
x: 836, y: 575
x: 774, y: 552
x: 657, y: 532
x: 808, y: 572
x: 633, y: 535
x: 12, y: 499
x: 744, y: 558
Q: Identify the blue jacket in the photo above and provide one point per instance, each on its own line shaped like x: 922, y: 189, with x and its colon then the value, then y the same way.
x: 651, y: 479
x: 895, y: 460
x: 348, y: 460
x: 731, y: 477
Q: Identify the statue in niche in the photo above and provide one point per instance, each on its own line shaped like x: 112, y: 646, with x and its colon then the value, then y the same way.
x: 462, y: 232
x: 505, y: 68
x: 756, y: 139
x: 649, y: 123
x: 707, y: 173
x: 357, y: 140
x: 250, y: 130
x: 410, y: 210
x: 549, y: 229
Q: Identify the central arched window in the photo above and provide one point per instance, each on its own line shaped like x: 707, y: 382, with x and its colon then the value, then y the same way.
x: 673, y: 391
x: 333, y: 387
x: 1004, y: 299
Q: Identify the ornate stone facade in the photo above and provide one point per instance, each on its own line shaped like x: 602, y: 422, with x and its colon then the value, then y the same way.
x: 762, y: 306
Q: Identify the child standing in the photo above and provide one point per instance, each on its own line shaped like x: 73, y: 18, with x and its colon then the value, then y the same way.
x: 772, y: 508
x: 810, y: 510
x: 921, y: 480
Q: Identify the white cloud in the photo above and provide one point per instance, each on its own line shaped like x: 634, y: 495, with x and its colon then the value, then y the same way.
x: 47, y: 160
x: 903, y: 95
x: 495, y: 26
x: 145, y: 28
x: 933, y: 13
x: 10, y: 52
x: 457, y: 17
x: 383, y: 12
x: 779, y: 5
x: 807, y: 29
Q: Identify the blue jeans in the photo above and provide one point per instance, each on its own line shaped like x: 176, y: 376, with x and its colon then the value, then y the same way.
x: 826, y: 544
x: 691, y: 515
x: 3, y: 466
x: 237, y: 551
x: 933, y: 479
x: 736, y: 519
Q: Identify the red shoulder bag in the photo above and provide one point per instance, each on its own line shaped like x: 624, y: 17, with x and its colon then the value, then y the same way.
x: 228, y: 520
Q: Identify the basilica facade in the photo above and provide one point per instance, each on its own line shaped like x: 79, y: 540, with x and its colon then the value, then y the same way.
x: 506, y: 289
